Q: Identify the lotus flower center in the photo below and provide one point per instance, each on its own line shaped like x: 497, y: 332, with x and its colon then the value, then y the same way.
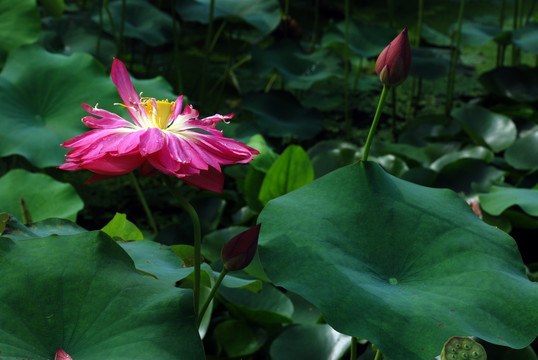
x: 159, y: 116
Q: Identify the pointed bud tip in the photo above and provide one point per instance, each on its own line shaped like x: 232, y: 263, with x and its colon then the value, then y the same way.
x: 238, y: 253
x: 394, y: 62
x: 62, y: 355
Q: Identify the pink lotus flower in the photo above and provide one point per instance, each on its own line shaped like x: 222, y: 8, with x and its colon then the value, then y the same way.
x: 165, y: 137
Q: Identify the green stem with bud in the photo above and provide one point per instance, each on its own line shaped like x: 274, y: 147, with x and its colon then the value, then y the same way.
x: 211, y: 295
x: 197, y: 239
x: 374, y: 122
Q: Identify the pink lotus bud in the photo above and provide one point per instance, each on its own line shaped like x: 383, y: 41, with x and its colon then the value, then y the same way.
x: 394, y: 62
x: 62, y: 355
x: 237, y: 253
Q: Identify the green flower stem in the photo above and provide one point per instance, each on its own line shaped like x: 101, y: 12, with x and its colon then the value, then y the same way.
x: 175, y: 29
x: 378, y: 355
x: 353, y: 348
x: 197, y: 239
x: 211, y: 295
x: 411, y: 100
x: 347, y: 118
x: 144, y: 203
x: 374, y: 123
x: 454, y: 61
x: 207, y: 48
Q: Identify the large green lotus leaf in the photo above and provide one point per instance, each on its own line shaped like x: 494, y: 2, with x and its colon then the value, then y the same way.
x: 42, y: 97
x: 83, y: 294
x: 401, y: 265
x: 516, y: 83
x: 44, y: 196
x: 143, y: 21
x: 519, y: 155
x: 264, y: 15
x: 19, y: 23
x: 313, y: 342
x: 279, y: 114
x: 527, y: 37
x: 298, y: 69
x: 501, y: 198
x: 486, y: 128
x: 365, y: 40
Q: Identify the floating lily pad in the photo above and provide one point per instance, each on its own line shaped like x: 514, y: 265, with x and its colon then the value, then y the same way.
x: 501, y: 198
x: 19, y: 23
x: 44, y: 196
x: 264, y: 15
x: 486, y: 128
x: 401, y: 265
x: 82, y: 293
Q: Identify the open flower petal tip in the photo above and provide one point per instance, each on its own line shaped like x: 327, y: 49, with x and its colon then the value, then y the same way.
x: 163, y: 136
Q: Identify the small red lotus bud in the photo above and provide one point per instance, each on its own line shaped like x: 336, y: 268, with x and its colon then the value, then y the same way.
x: 62, y: 355
x: 237, y: 253
x: 393, y: 64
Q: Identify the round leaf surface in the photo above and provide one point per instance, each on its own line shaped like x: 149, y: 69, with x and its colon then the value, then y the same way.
x: 401, y: 265
x: 42, y: 100
x: 44, y: 196
x: 82, y: 293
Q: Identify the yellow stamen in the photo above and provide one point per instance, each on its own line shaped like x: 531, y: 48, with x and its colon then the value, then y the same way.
x: 160, y: 115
